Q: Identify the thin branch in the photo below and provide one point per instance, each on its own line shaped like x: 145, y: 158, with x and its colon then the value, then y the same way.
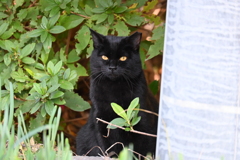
x: 134, y: 131
x: 80, y: 15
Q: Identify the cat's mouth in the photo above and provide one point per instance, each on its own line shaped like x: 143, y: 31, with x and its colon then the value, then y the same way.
x: 113, y: 76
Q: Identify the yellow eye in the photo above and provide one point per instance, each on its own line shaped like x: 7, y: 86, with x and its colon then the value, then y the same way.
x: 104, y: 57
x: 123, y: 58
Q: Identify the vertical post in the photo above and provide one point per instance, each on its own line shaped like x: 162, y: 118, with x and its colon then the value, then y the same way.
x: 199, y: 103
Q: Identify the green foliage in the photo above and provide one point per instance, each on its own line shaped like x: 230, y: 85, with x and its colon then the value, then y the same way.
x: 127, y: 118
x: 19, y: 144
x: 40, y: 56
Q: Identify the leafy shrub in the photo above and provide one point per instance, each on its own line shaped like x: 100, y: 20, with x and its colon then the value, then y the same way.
x: 19, y: 144
x: 40, y: 57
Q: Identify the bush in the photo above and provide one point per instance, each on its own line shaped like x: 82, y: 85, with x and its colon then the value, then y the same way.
x: 40, y: 56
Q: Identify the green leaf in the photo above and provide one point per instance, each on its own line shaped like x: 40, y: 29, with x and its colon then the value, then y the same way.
x: 134, y: 19
x: 122, y: 28
x: 3, y: 28
x: 57, y: 29
x: 19, y: 76
x: 150, y: 5
x: 28, y: 60
x: 127, y: 129
x: 155, y: 49
x: 47, y: 45
x: 56, y: 94
x: 50, y: 67
x: 135, y: 121
x: 101, y: 18
x: 66, y: 74
x: 36, y: 107
x: 83, y: 37
x: 98, y: 10
x: 105, y: 3
x: 22, y: 14
x: 35, y: 33
x: 59, y: 101
x: 7, y: 59
x: 119, y: 111
x: 3, y: 15
x: 134, y: 103
x: 27, y: 50
x: 49, y: 106
x: 120, y: 9
x: 154, y: 85
x: 38, y: 88
x: 73, y: 57
x: 44, y: 23
x: 66, y: 84
x: 53, y: 88
x: 71, y: 21
x: 44, y: 35
x: 75, y: 102
x: 117, y: 121
x: 57, y: 67
x: 158, y: 33
x: 110, y: 18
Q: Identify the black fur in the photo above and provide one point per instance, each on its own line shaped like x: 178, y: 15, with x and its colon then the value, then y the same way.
x: 117, y: 81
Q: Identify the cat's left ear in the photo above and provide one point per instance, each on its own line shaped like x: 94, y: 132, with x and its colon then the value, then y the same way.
x: 135, y: 40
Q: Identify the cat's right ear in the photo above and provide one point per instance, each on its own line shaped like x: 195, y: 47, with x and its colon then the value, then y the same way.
x: 97, y: 38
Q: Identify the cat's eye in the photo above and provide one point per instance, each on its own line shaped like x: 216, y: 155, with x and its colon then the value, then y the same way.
x: 104, y: 57
x: 123, y: 58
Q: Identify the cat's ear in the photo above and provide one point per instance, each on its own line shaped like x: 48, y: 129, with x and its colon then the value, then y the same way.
x: 135, y: 40
x: 97, y: 38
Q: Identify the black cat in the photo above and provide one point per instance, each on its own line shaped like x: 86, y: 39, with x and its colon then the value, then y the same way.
x: 117, y: 76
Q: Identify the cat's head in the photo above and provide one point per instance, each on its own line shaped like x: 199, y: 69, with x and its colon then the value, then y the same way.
x: 115, y: 57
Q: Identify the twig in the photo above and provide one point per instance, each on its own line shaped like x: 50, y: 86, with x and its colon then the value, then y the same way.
x: 80, y: 15
x: 134, y: 131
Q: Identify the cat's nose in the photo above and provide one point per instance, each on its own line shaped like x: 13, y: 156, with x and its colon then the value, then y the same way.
x: 112, y: 68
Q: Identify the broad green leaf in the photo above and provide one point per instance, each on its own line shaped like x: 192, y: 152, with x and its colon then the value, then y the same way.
x: 66, y: 84
x: 57, y: 67
x: 27, y: 50
x: 9, y: 45
x: 37, y: 122
x: 36, y: 107
x: 27, y: 106
x: 132, y: 106
x: 38, y: 88
x: 105, y: 3
x: 57, y: 29
x: 49, y: 106
x: 71, y: 21
x: 7, y: 59
x: 119, y: 111
x: 59, y: 101
x: 117, y: 121
x: 35, y: 33
x: 47, y: 45
x: 73, y: 57
x: 3, y: 15
x: 55, y: 10
x: 150, y: 5
x: 135, y: 121
x: 50, y: 67
x: 56, y: 94
x: 44, y: 23
x: 44, y: 35
x: 110, y: 18
x: 153, y: 86
x: 98, y: 10
x: 101, y: 18
x: 66, y: 74
x: 75, y: 102
x: 134, y: 19
x: 122, y: 28
x: 81, y: 71
x: 158, y: 33
x: 39, y: 66
x: 83, y: 38
x: 19, y: 76
x: 88, y: 10
x: 28, y: 60
x: 3, y: 28
x: 22, y: 14
x: 53, y: 88
x: 120, y: 9
x: 155, y: 49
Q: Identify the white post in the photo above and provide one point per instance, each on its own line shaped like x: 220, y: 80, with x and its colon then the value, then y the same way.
x: 199, y: 117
